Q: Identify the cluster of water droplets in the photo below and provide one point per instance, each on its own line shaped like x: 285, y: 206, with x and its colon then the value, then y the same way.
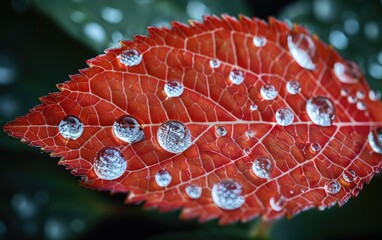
x: 130, y: 57
x: 70, y: 127
x: 262, y: 167
x: 321, y: 111
x: 174, y: 137
x: 109, y: 164
x: 128, y: 129
x: 173, y: 88
x: 226, y: 194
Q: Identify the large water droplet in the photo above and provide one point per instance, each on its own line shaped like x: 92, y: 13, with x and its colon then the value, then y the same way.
x: 214, y: 63
x: 236, y: 76
x: 268, y: 92
x: 71, y: 127
x: 262, y: 167
x: 130, y: 57
x: 303, y: 50
x: 332, y: 187
x: 194, y: 192
x: 284, y: 116
x: 109, y: 164
x: 259, y: 41
x: 221, y: 131
x: 174, y: 137
x: 293, y: 87
x: 163, y: 178
x: 320, y: 110
x: 374, y: 95
x: 173, y: 88
x: 277, y: 203
x: 128, y: 129
x: 227, y: 195
x: 347, y: 72
x: 375, y: 140
x: 349, y: 176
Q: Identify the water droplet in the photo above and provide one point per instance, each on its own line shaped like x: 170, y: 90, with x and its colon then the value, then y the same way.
x: 262, y: 167
x: 194, y: 192
x: 360, y: 94
x: 302, y: 49
x: 375, y: 140
x: 361, y: 106
x: 349, y: 176
x: 109, y: 164
x: 315, y: 147
x: 236, y: 76
x: 259, y: 41
x: 277, y: 203
x: 70, y: 127
x: 374, y: 95
x: 253, y: 107
x: 214, y: 63
x: 128, y: 129
x: 249, y: 134
x: 173, y: 88
x: 163, y: 178
x: 221, y: 131
x: 174, y: 137
x: 227, y: 195
x: 284, y: 116
x: 344, y: 92
x: 293, y: 87
x: 347, y: 72
x: 320, y: 110
x: 130, y: 57
x: 352, y: 99
x: 268, y: 92
x: 332, y: 187
x: 111, y: 15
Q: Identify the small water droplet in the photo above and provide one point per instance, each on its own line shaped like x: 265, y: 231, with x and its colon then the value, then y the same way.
x: 163, y: 178
x: 277, y: 203
x: 293, y: 87
x: 259, y: 41
x: 109, y: 164
x: 221, y: 131
x: 194, y: 192
x: 374, y: 95
x: 173, y: 88
x: 361, y: 106
x: 249, y: 134
x: 226, y: 194
x: 332, y: 186
x: 360, y: 94
x: 130, y: 57
x: 236, y: 76
x: 268, y: 92
x: 315, y: 147
x: 347, y: 72
x: 254, y: 107
x: 71, y: 127
x: 128, y: 129
x: 214, y: 63
x: 352, y: 99
x: 284, y: 116
x: 247, y: 150
x: 375, y: 140
x: 320, y: 110
x: 262, y: 167
x: 344, y: 92
x: 174, y: 137
x: 302, y: 49
x: 349, y: 176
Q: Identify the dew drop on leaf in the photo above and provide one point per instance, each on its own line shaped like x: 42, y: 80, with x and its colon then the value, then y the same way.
x: 221, y: 131
x: 262, y: 167
x: 128, y: 129
x: 352, y: 99
x: 249, y: 134
x: 163, y: 178
x: 277, y: 203
x: 284, y: 116
x: 361, y: 106
x: 347, y: 72
x: 259, y: 41
x: 293, y: 87
x: 194, y: 192
x: 360, y: 94
x: 214, y: 63
x: 344, y: 92
x: 254, y: 107
x: 320, y: 110
x: 332, y: 186
x: 236, y: 76
x: 174, y: 137
x: 302, y: 49
x: 70, y: 127
x: 268, y: 92
x: 130, y: 57
x: 349, y: 176
x: 226, y: 194
x: 375, y: 140
x: 315, y: 147
x: 109, y: 164
x: 173, y: 88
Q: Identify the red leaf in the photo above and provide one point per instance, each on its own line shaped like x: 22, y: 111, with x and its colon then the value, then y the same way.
x: 241, y: 140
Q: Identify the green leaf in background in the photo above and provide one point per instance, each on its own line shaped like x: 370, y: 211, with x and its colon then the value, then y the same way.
x: 101, y: 24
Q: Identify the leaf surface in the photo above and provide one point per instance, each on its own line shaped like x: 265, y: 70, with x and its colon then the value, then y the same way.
x: 308, y: 164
